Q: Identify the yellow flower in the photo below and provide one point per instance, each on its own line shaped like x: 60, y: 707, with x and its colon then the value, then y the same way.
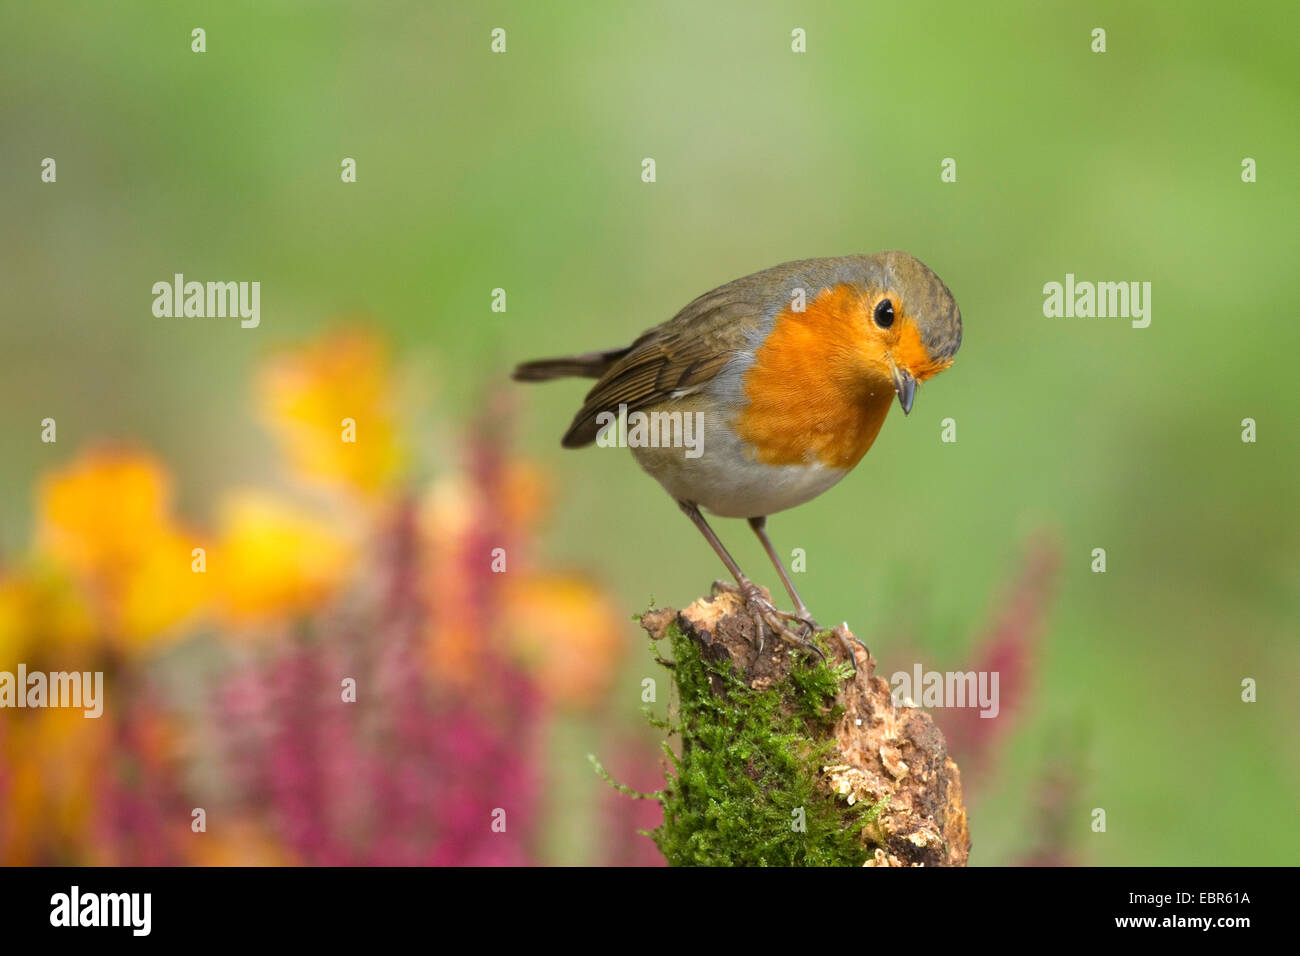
x: 165, y: 587
x: 101, y: 514
x: 274, y: 559
x: 567, y: 632
x: 331, y: 406
x: 40, y: 609
x: 55, y: 757
x: 107, y: 518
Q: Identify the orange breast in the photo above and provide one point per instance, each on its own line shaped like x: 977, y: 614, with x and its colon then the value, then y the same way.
x: 812, y: 393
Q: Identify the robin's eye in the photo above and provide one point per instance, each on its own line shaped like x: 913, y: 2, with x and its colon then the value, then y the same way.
x: 884, y: 313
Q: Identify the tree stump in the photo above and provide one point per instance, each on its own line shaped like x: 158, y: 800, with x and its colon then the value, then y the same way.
x: 786, y: 758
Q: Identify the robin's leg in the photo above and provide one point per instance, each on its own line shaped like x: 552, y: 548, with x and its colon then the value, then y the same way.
x: 759, y: 525
x: 765, y: 611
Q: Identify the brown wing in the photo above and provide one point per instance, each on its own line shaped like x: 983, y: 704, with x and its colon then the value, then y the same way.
x: 685, y: 352
x: 694, y: 345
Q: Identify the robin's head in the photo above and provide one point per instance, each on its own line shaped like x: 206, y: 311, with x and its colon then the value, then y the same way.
x: 910, y: 324
x: 861, y: 329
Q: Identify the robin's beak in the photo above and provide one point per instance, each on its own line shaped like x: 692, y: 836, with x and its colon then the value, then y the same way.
x: 904, y: 385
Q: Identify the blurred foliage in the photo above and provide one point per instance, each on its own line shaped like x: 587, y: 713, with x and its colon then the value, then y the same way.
x: 228, y: 668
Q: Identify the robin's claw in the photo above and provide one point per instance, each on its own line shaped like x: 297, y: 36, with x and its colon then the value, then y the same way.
x: 847, y: 640
x: 724, y: 587
x: 777, y: 622
x: 766, y: 613
x: 794, y: 628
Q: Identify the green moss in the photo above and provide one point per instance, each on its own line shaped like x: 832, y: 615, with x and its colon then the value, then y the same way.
x: 745, y: 790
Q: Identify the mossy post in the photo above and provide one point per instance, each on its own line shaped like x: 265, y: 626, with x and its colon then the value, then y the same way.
x: 781, y: 758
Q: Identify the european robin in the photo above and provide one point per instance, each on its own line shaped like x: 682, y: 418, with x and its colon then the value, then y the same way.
x: 788, y: 374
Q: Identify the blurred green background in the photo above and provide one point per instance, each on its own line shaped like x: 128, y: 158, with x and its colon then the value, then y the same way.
x: 522, y: 171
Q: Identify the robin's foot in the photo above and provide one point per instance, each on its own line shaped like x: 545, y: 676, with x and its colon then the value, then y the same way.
x: 840, y: 632
x: 847, y: 640
x: 767, y: 613
x: 806, y: 616
x: 725, y: 587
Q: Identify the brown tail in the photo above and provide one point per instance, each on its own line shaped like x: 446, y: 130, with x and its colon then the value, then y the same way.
x: 591, y: 365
